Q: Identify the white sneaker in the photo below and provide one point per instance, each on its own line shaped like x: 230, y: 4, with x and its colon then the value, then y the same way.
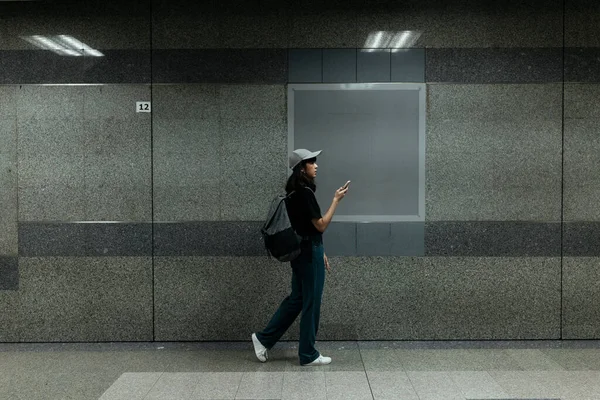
x: 259, y: 349
x: 321, y: 360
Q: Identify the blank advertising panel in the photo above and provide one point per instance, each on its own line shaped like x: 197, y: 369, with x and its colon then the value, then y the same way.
x: 370, y: 134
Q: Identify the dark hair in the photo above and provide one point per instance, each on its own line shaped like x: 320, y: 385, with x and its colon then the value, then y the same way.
x: 298, y: 179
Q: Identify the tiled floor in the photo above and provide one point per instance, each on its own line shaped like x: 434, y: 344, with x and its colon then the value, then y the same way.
x: 567, y: 370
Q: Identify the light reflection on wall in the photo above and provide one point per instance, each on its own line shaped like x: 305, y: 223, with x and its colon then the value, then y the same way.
x: 391, y: 40
x: 64, y: 45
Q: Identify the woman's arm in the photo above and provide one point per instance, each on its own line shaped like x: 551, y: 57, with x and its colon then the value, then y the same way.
x: 322, y: 223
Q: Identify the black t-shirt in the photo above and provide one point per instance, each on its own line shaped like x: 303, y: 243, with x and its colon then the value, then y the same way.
x: 302, y: 208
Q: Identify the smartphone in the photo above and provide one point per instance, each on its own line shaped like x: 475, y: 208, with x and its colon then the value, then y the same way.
x: 346, y: 185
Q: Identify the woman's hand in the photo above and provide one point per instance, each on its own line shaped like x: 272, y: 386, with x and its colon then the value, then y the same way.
x: 322, y: 223
x: 327, y: 266
x: 340, y: 193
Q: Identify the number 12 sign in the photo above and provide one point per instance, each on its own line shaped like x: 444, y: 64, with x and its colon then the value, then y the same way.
x: 143, y: 106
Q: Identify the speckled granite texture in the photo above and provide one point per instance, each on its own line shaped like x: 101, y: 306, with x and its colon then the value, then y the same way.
x: 582, y: 146
x: 369, y: 297
x: 499, y: 239
x: 441, y: 298
x: 186, y: 168
x: 181, y: 102
x: 209, y: 238
x: 9, y: 273
x: 85, y: 239
x: 194, y: 296
x: 37, y: 66
x: 85, y: 299
x: 581, y: 239
x: 494, y: 170
x: 119, y: 66
x: 467, y: 25
x: 223, y: 151
x: 50, y: 102
x: 474, y: 170
x: 324, y: 29
x: 8, y: 177
x: 51, y: 169
x: 10, y: 306
x: 582, y: 65
x: 107, y: 103
x: 8, y: 104
x: 497, y: 65
x: 243, y: 238
x: 348, y: 25
x: 118, y: 169
x: 270, y: 66
x: 580, y: 311
x: 219, y: 66
x: 81, y: 156
x: 581, y: 23
x: 103, y: 27
x: 252, y: 101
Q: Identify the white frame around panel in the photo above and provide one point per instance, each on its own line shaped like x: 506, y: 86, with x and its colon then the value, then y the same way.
x: 422, y: 88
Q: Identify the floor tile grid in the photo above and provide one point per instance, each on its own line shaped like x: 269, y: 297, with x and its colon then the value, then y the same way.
x: 389, y: 384
x: 569, y: 374
x: 132, y: 386
x: 465, y: 384
x: 153, y: 385
x: 566, y: 385
x: 365, y: 370
x: 196, y: 386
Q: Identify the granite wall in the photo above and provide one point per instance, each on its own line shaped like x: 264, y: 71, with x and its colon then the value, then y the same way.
x: 125, y: 226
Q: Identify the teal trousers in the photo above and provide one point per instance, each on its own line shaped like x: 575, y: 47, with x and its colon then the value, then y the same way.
x: 308, y: 279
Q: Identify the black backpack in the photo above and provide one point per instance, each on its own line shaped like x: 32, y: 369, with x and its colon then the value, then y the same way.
x: 281, y: 240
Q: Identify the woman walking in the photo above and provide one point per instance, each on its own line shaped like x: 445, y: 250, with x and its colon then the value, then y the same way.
x: 308, y: 270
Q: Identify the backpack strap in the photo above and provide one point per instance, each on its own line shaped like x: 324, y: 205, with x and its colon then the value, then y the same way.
x: 268, y: 222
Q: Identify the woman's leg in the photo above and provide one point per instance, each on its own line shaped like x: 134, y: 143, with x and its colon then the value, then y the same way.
x: 289, y: 309
x: 313, y: 280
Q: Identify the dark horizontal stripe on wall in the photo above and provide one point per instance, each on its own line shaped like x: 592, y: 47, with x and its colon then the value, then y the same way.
x: 39, y: 66
x: 494, y: 65
x: 118, y: 66
x: 209, y: 238
x: 492, y: 239
x: 452, y: 65
x: 9, y: 273
x: 38, y: 239
x: 582, y: 64
x: 43, y: 66
x: 375, y: 239
x: 356, y: 65
x: 220, y: 66
x: 581, y: 239
x: 243, y: 238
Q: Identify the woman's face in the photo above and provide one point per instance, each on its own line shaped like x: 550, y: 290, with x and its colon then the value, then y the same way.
x: 310, y: 169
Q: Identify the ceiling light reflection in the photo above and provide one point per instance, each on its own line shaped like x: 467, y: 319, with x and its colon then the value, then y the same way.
x: 375, y: 40
x: 63, y: 45
x: 76, y: 44
x: 47, y: 44
x: 404, y: 40
x: 390, y: 39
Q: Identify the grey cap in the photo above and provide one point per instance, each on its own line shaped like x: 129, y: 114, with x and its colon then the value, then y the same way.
x: 299, y: 155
